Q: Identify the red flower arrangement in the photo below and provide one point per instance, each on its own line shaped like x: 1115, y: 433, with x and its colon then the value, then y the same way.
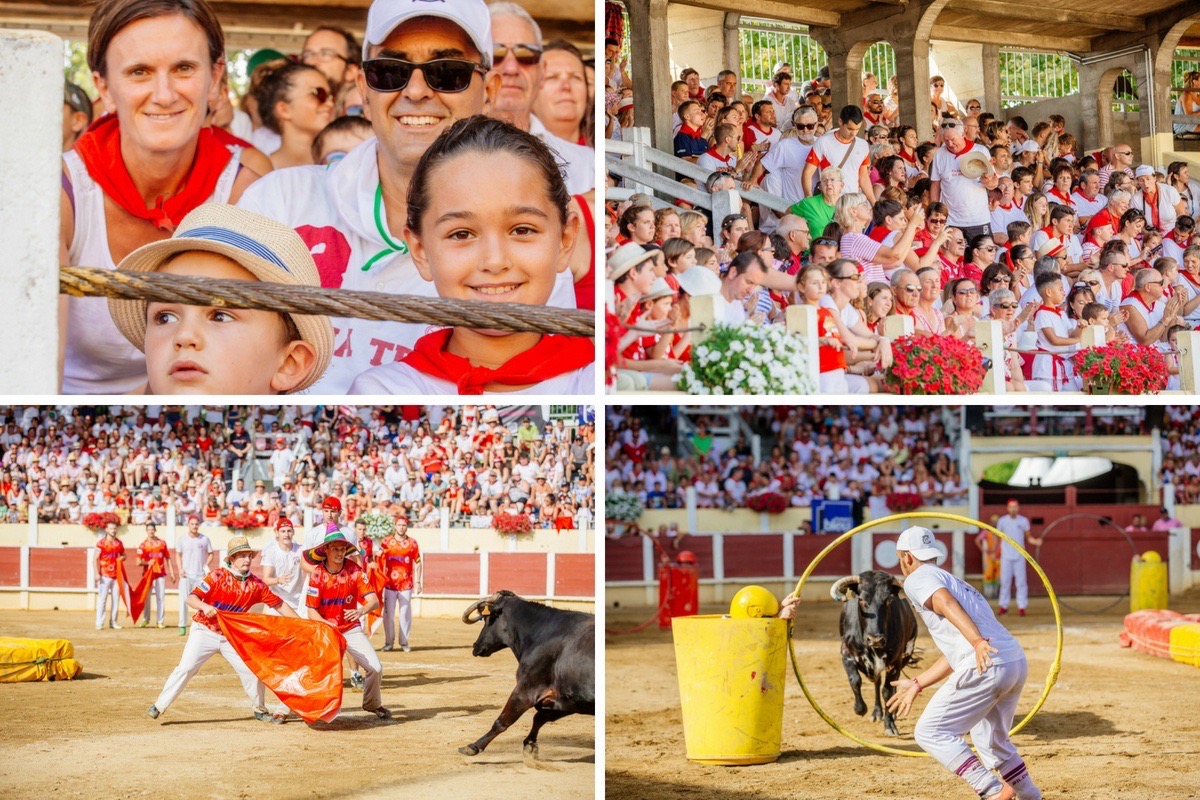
x: 512, y: 523
x: 614, y: 331
x: 1122, y: 368
x: 902, y: 502
x: 241, y: 522
x: 98, y: 520
x: 931, y: 364
x: 769, y: 502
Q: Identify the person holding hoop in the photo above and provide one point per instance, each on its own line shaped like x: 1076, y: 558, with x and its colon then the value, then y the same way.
x: 986, y: 668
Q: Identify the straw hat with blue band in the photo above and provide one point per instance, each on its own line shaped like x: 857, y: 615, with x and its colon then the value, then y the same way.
x: 271, y: 251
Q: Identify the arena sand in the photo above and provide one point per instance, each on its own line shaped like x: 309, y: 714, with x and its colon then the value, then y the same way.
x: 1119, y: 724
x: 91, y: 737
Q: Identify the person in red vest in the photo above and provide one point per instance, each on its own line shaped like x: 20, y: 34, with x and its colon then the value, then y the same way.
x: 154, y: 555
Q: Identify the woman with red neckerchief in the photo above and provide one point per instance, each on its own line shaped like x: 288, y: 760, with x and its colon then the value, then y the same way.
x: 139, y: 170
x: 1060, y: 191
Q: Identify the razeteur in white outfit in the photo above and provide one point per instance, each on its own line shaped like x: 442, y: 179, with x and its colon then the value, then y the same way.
x: 986, y: 668
x: 1012, y: 563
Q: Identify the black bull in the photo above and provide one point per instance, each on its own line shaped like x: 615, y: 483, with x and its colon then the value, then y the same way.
x: 556, y: 662
x: 878, y: 629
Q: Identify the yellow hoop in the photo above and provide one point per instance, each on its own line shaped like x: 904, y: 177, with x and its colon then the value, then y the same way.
x: 1055, y: 665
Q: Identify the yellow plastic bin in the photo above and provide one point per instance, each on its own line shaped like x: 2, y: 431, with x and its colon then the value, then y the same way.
x: 1185, y: 644
x: 732, y: 674
x: 1148, y: 584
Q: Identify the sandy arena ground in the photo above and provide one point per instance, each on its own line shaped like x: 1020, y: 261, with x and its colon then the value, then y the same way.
x: 91, y: 738
x: 1119, y: 724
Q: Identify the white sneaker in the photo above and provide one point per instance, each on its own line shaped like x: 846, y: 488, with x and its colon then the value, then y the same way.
x: 405, y: 647
x: 99, y: 627
x: 117, y: 627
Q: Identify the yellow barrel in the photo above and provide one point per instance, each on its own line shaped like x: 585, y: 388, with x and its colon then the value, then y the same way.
x: 1185, y: 644
x: 732, y: 673
x: 1148, y: 586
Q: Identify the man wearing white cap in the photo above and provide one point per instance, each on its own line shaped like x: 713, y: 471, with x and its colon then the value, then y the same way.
x: 1159, y: 202
x: 966, y: 196
x: 987, y: 670
x: 1015, y: 526
x: 426, y: 65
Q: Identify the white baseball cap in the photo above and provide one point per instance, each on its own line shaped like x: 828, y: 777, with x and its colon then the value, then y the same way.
x: 472, y: 16
x: 918, y: 541
x: 1143, y: 170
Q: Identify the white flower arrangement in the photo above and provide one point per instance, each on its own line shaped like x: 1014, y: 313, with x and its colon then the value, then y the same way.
x: 379, y: 525
x: 622, y: 506
x: 749, y: 359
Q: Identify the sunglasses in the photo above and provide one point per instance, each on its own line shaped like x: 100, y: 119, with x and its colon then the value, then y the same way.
x: 444, y: 75
x: 809, y: 127
x: 321, y: 93
x: 1006, y: 305
x: 525, y: 54
x: 1000, y: 279
x: 967, y: 291
x: 936, y: 221
x: 911, y: 289
x: 853, y: 277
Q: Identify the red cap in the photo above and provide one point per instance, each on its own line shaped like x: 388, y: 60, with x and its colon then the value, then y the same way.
x: 284, y: 521
x: 686, y: 557
x: 1011, y: 500
x: 193, y: 517
x: 332, y: 502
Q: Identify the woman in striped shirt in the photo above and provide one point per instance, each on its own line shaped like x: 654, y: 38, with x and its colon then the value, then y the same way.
x: 852, y: 215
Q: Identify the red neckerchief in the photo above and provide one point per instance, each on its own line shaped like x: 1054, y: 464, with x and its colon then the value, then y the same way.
x: 1193, y: 280
x: 967, y: 147
x: 1052, y: 309
x: 867, y: 116
x: 1153, y: 210
x: 1019, y: 202
x: 1136, y: 295
x: 100, y: 150
x: 552, y: 356
x: 910, y: 159
x: 712, y: 151
x: 1081, y: 193
x: 690, y: 131
x: 1065, y: 198
x: 878, y: 233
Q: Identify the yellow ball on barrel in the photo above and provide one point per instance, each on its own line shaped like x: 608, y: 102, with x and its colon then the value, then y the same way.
x: 753, y: 602
x: 1151, y: 556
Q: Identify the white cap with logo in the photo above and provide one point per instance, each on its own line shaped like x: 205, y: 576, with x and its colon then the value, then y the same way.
x: 472, y: 16
x: 918, y: 541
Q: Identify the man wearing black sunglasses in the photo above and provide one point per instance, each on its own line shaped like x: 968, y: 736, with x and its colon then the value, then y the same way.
x: 517, y: 59
x: 785, y: 161
x: 425, y: 66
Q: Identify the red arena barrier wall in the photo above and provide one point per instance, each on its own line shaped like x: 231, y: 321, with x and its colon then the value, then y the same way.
x: 523, y: 573
x: 451, y: 573
x: 10, y: 566
x: 55, y: 567
x: 806, y: 548
x: 753, y: 555
x: 575, y: 575
x: 623, y: 559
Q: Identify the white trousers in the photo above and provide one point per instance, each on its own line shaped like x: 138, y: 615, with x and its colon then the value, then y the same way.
x: 203, y: 644
x: 397, y: 601
x: 108, y: 592
x: 159, y: 589
x: 189, y: 582
x: 362, y: 653
x: 982, y: 705
x: 1011, y: 569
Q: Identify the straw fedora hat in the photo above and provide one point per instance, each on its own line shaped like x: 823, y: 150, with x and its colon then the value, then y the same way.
x: 1051, y: 247
x: 975, y: 164
x: 697, y: 281
x: 270, y: 250
x: 239, y: 544
x: 625, y: 258
x: 660, y: 288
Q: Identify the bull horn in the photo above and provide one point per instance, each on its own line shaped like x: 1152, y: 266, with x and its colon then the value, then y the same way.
x: 836, y: 591
x: 899, y: 584
x: 477, y: 608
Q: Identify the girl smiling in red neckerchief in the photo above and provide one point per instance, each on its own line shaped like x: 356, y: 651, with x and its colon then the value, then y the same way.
x: 495, y: 240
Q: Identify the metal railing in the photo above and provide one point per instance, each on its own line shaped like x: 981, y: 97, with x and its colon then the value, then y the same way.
x: 763, y: 43
x: 1027, y: 76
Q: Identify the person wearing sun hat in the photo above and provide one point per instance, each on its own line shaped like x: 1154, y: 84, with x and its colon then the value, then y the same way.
x: 631, y: 270
x: 339, y: 595
x: 1160, y: 202
x: 231, y: 589
x: 213, y: 350
x: 959, y: 184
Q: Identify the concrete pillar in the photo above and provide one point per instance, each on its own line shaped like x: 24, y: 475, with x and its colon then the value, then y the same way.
x: 991, y: 79
x: 989, y: 338
x: 1154, y: 84
x: 723, y: 204
x: 733, y: 47
x: 912, y: 75
x: 1188, y: 344
x: 651, y: 68
x: 29, y: 218
x: 802, y: 321
x: 845, y: 75
x: 898, y: 325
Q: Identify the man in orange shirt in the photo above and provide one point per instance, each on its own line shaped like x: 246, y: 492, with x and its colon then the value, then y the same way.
x: 340, y: 595
x: 234, y: 590
x: 109, y: 553
x: 156, y: 558
x: 399, y: 560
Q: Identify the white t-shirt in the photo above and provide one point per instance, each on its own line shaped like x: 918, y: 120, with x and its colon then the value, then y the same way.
x: 578, y: 161
x: 1088, y: 208
x: 1015, y: 529
x: 827, y: 151
x: 284, y: 562
x: 193, y: 554
x: 334, y: 211
x: 1166, y: 201
x: 401, y: 378
x: 924, y: 583
x: 1002, y: 216
x: 965, y: 198
x: 712, y: 161
x: 784, y: 163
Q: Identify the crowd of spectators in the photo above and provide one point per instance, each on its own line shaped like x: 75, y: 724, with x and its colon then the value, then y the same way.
x: 986, y: 216
x: 862, y: 454
x: 1179, y: 447
x: 63, y: 463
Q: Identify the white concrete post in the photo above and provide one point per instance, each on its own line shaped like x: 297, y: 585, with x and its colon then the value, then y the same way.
x: 802, y: 321
x: 1178, y: 559
x: 172, y: 526
x: 483, y: 573
x: 444, y: 527
x: 1093, y: 336
x: 958, y: 554
x: 308, y: 521
x: 31, y: 90
x: 989, y: 338
x: 648, y: 575
x: 719, y: 556
x: 1188, y: 344
x: 24, y: 599
x: 723, y: 204
x: 93, y: 590
x: 33, y: 526
x: 897, y: 325
x: 789, y: 554
x: 549, y: 576
x: 862, y: 552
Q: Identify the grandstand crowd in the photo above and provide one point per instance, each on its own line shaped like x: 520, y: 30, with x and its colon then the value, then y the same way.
x: 985, y: 216
x: 62, y: 463
x: 863, y: 454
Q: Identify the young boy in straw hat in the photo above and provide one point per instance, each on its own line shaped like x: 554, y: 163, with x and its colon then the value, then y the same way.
x: 339, y: 595
x: 212, y: 350
x: 232, y: 589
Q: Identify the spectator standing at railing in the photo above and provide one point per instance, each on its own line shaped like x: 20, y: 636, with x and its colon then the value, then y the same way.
x: 843, y: 149
x: 965, y: 195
